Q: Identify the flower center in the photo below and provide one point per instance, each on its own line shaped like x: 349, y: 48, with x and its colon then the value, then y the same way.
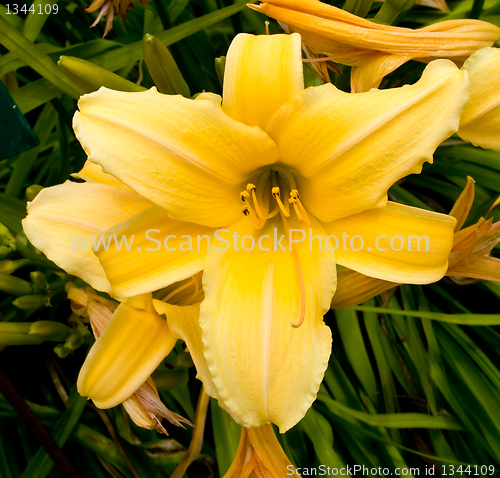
x: 275, y: 192
x: 264, y: 201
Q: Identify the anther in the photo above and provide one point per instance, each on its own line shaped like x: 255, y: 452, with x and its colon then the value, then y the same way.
x: 276, y: 195
x: 244, y: 195
x: 251, y: 187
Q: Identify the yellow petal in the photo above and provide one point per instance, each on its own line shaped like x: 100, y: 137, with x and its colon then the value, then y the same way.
x: 462, y: 205
x: 353, y: 288
x: 185, y: 155
x: 149, y: 265
x: 400, y: 243
x: 264, y: 369
x: 324, y: 26
x: 260, y: 455
x: 64, y: 219
x: 372, y: 70
x: 350, y: 148
x: 132, y: 345
x: 484, y: 268
x: 262, y: 72
x: 480, y: 123
x: 183, y: 321
x: 93, y: 173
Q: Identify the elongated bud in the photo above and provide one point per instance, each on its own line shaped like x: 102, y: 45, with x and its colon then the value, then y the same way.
x: 220, y: 67
x: 50, y: 330
x: 8, y: 266
x: 14, y: 333
x: 32, y: 301
x: 40, y: 282
x: 32, y: 191
x: 14, y: 285
x: 162, y: 67
x: 91, y: 77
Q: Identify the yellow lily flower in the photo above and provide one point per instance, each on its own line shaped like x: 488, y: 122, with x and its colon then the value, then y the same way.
x: 260, y: 455
x: 480, y: 122
x: 375, y: 50
x: 272, y: 158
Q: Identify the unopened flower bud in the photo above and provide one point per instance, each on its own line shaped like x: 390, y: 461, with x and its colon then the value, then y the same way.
x: 74, y: 341
x: 162, y: 67
x: 40, y: 282
x: 14, y: 285
x: 51, y: 330
x: 32, y: 191
x: 220, y: 66
x: 91, y: 77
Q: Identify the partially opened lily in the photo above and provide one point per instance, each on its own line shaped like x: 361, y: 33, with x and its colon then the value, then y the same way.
x: 374, y: 50
x: 272, y: 159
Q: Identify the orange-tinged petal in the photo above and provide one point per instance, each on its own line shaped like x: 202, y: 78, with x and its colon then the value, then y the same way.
x: 185, y: 155
x: 349, y: 149
x: 132, y: 345
x: 324, y: 26
x: 266, y: 370
x: 260, y: 455
x: 63, y: 221
x: 261, y: 73
x: 372, y: 70
x: 162, y: 251
x: 480, y: 122
x: 484, y: 268
x: 462, y: 205
x: 400, y: 243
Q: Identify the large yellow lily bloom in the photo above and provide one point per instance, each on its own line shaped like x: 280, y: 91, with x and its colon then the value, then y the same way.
x: 374, y: 50
x: 273, y: 157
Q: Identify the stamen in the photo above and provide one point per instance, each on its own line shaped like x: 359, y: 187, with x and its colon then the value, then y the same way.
x: 248, y: 211
x: 302, y: 286
x: 251, y: 187
x: 303, y: 216
x: 297, y: 324
x: 295, y: 206
x: 276, y: 195
x: 267, y: 27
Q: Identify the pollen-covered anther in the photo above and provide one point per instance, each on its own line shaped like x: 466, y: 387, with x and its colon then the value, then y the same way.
x: 244, y: 195
x: 251, y: 187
